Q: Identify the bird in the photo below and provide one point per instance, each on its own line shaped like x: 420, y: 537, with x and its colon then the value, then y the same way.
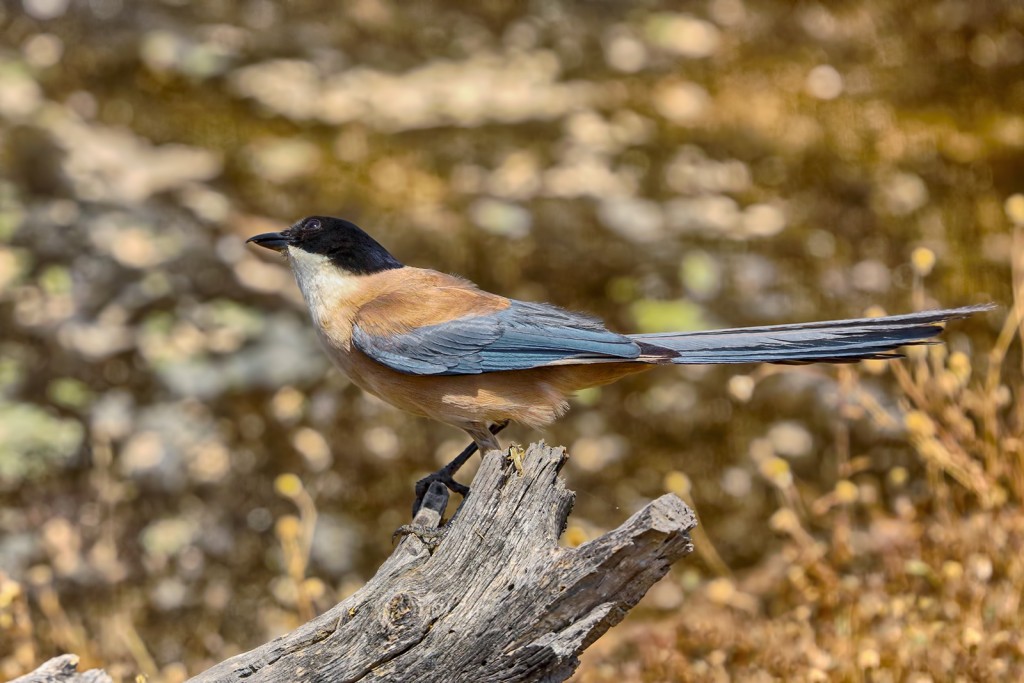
x: 438, y: 346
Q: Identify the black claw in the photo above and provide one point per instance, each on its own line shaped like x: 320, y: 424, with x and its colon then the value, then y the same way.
x: 446, y: 475
x: 442, y: 476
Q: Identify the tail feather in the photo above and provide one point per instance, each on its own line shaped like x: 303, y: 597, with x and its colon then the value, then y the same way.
x: 834, y: 341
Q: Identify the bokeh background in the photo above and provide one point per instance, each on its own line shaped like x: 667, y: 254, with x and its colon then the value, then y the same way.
x: 183, y: 476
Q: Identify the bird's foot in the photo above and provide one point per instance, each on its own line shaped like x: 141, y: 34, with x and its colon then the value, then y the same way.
x: 442, y: 476
x: 430, y: 536
x: 446, y: 475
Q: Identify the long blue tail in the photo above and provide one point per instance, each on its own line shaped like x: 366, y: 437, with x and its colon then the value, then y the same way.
x: 834, y: 341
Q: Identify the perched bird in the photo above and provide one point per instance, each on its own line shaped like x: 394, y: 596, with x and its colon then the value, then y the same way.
x: 438, y: 346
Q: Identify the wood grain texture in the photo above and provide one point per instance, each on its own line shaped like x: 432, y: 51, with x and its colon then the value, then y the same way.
x: 497, y: 600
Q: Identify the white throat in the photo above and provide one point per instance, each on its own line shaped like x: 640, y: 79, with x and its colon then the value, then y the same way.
x: 325, y: 286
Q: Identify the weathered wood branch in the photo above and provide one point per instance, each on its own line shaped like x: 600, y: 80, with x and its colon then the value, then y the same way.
x: 64, y: 669
x: 497, y: 600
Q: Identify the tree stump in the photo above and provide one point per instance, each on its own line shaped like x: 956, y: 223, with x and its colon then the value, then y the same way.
x: 497, y: 599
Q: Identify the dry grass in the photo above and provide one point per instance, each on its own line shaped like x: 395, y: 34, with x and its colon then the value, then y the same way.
x: 910, y: 574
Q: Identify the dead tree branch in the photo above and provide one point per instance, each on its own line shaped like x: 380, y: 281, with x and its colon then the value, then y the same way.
x: 497, y: 600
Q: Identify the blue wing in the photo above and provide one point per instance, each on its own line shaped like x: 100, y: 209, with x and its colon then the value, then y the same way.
x: 524, y: 335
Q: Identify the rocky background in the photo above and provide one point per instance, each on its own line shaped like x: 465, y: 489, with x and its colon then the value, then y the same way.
x: 183, y: 476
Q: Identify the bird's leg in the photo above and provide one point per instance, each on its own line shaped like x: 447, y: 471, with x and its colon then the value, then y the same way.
x: 484, y: 440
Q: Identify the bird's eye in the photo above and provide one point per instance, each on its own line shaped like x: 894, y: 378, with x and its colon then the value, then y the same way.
x: 313, y: 224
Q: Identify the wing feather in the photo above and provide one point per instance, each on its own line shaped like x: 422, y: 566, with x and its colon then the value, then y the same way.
x: 523, y: 335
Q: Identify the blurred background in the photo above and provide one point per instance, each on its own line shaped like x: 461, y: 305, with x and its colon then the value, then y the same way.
x: 183, y: 476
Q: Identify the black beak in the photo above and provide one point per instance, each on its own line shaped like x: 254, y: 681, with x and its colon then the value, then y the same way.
x: 270, y: 240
